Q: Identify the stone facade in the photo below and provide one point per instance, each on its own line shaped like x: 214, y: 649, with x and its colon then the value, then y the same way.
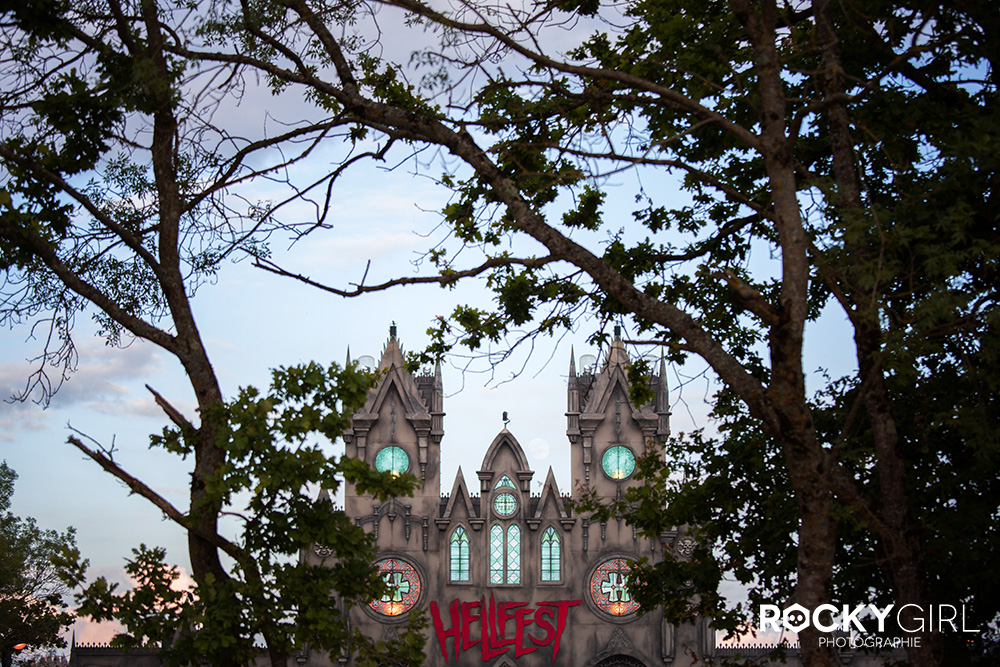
x: 507, y: 577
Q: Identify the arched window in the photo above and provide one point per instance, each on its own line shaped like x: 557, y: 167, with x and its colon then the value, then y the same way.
x: 504, y: 481
x: 513, y: 554
x: 496, y: 554
x: 505, y: 554
x: 551, y: 570
x: 459, y: 555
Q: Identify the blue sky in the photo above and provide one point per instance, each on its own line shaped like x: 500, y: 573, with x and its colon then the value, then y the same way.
x: 252, y: 321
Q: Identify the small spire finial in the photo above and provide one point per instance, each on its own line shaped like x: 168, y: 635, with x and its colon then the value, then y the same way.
x: 392, y: 329
x: 618, y: 331
x: 506, y: 420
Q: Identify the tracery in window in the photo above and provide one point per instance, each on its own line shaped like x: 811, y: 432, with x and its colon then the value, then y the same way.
x: 505, y: 481
x: 550, y: 566
x: 505, y: 554
x: 609, y: 588
x: 459, y: 555
x: 505, y: 504
x: 513, y: 554
x: 402, y: 587
x: 496, y: 554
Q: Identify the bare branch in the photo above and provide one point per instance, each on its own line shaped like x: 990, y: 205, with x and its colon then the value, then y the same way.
x: 445, y: 278
x: 175, y: 416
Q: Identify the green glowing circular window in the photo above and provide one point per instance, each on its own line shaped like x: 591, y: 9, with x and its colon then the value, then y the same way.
x: 618, y: 462
x: 392, y: 459
x: 505, y: 504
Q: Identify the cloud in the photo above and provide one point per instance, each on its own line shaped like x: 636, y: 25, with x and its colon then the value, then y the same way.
x: 108, y: 380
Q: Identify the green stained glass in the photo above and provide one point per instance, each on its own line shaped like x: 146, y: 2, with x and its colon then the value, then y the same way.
x: 550, y: 555
x: 459, y: 555
x: 392, y: 459
x: 513, y: 555
x: 496, y: 554
x: 504, y: 481
x: 505, y: 504
x: 618, y: 462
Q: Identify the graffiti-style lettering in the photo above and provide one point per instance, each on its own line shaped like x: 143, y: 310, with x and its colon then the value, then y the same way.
x: 493, y: 619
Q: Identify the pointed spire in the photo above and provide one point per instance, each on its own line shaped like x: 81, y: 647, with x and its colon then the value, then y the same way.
x: 348, y: 362
x: 662, y: 390
x: 572, y: 385
x: 617, y: 356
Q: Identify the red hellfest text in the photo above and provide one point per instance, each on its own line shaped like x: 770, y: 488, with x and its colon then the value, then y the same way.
x: 548, y: 617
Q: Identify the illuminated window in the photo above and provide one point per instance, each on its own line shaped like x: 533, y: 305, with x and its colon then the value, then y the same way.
x: 513, y: 555
x: 402, y: 584
x: 505, y: 504
x: 505, y: 481
x: 609, y: 588
x: 496, y: 554
x: 459, y: 555
x: 618, y: 462
x: 505, y: 555
x: 550, y: 555
x: 392, y: 459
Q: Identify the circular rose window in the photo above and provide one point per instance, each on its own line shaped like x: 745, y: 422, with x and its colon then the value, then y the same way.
x: 505, y: 504
x: 618, y: 462
x: 403, y: 585
x: 392, y: 459
x: 609, y: 588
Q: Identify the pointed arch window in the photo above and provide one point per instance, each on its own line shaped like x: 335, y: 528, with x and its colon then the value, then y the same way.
x: 459, y: 555
x: 505, y: 481
x: 513, y: 554
x: 505, y: 554
x: 551, y: 568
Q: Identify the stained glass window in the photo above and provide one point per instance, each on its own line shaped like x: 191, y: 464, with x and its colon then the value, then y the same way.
x: 403, y: 585
x: 551, y: 570
x: 459, y: 555
x: 504, y: 481
x: 513, y: 555
x: 618, y: 462
x: 392, y: 459
x: 505, y: 504
x: 496, y: 554
x: 609, y: 588
x: 505, y: 554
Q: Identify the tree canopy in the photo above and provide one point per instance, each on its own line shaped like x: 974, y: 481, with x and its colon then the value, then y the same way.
x: 790, y: 160
x: 119, y: 198
x: 32, y: 608
x: 834, y: 157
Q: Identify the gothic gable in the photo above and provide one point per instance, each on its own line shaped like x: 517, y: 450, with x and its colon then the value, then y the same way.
x: 505, y: 456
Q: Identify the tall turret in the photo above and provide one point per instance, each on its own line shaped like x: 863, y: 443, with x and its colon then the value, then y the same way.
x: 606, y: 431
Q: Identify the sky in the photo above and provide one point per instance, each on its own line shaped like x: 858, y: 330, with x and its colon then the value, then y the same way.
x: 252, y: 322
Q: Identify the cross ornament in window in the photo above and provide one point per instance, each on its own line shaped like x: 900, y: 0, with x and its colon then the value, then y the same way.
x: 397, y: 587
x: 614, y: 586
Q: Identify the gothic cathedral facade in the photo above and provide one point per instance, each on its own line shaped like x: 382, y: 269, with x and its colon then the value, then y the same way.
x: 507, y: 577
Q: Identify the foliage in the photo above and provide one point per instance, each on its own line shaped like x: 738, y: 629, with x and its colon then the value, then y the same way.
x: 275, y: 460
x: 32, y: 609
x: 120, y: 197
x: 833, y: 158
x: 791, y: 161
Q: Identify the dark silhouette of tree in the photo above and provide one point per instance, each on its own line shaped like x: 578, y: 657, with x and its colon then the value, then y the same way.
x: 32, y: 609
x: 829, y: 156
x: 119, y: 199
